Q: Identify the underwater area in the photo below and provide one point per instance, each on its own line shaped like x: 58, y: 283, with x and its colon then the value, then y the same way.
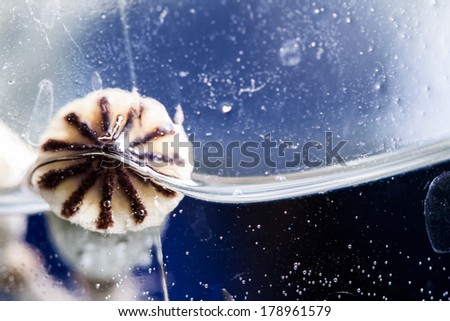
x: 320, y: 134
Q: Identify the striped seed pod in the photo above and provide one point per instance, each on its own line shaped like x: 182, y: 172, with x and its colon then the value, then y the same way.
x: 101, y: 193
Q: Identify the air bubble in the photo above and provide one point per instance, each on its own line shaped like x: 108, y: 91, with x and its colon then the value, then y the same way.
x: 226, y: 108
x: 183, y: 74
x: 437, y: 213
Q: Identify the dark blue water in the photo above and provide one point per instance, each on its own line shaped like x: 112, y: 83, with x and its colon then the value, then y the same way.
x: 368, y: 242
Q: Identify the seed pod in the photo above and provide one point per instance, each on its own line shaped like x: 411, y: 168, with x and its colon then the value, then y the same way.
x: 100, y: 193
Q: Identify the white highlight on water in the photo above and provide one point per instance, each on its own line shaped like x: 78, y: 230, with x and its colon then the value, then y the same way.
x: 226, y: 108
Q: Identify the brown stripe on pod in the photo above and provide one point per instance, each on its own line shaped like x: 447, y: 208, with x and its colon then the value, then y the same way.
x: 158, y: 132
x: 105, y: 219
x: 82, y: 127
x: 54, y: 145
x: 137, y: 207
x: 105, y: 111
x: 54, y: 177
x: 74, y: 202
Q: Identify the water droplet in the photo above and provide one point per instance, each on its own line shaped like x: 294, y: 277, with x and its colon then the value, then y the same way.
x: 226, y: 108
x: 319, y: 53
x: 349, y: 246
x: 437, y: 213
x: 41, y: 113
x: 290, y: 53
x: 183, y: 74
x: 96, y: 81
x: 107, y: 203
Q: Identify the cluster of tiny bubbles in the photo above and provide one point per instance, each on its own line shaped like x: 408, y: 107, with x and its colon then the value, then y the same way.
x: 371, y: 278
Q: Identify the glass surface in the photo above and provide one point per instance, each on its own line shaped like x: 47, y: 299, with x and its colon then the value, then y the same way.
x: 372, y: 74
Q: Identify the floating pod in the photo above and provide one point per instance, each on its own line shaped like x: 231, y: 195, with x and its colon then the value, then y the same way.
x: 101, y: 193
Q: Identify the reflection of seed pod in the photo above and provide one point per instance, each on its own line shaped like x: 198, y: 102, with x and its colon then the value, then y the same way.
x: 97, y: 192
x: 98, y: 257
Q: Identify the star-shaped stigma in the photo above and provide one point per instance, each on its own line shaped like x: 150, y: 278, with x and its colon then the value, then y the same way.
x: 92, y: 168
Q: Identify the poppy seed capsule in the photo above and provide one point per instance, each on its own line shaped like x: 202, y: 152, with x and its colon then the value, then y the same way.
x: 98, y: 192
